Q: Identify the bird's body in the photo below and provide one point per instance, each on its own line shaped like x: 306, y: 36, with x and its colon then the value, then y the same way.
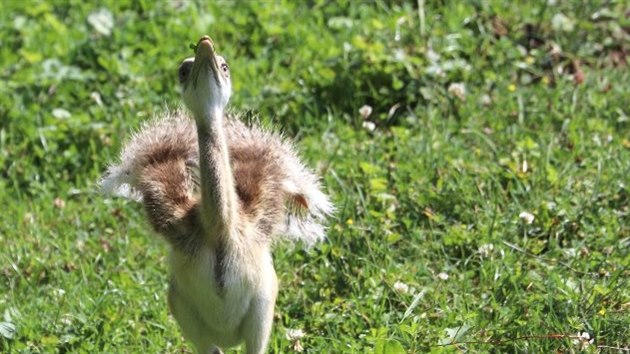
x: 224, y: 312
x: 220, y: 192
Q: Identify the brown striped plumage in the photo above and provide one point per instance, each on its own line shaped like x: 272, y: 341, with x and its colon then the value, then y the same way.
x: 159, y: 166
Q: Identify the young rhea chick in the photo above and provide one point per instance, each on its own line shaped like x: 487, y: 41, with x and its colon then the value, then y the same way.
x: 220, y: 193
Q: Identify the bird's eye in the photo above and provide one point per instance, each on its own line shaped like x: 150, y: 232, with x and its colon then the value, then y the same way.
x: 225, y: 68
x: 184, y: 70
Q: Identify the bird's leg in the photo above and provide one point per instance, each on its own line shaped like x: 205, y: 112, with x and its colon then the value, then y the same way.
x: 259, y: 320
x: 257, y: 333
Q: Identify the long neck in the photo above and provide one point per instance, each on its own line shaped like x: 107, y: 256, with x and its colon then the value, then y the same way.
x: 218, y: 195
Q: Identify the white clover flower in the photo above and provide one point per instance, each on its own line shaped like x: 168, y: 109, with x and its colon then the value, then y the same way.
x: 526, y: 217
x: 442, y: 276
x: 294, y: 334
x: 555, y: 49
x: 365, y: 111
x: 583, y: 340
x: 485, y: 100
x: 96, y: 97
x: 401, y: 287
x: 485, y: 250
x: 560, y: 22
x: 66, y: 319
x: 369, y: 126
x: 458, y: 90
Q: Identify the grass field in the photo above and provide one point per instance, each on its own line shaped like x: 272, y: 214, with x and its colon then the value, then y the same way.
x: 483, y: 203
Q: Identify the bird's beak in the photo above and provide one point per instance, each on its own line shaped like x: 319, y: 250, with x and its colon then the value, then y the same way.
x: 205, y: 60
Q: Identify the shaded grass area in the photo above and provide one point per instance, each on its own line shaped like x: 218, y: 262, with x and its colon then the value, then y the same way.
x: 427, y: 248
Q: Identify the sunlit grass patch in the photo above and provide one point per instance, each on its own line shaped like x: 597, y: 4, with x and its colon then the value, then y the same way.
x: 482, y: 198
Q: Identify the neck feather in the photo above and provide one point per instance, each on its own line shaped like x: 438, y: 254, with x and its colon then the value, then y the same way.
x: 218, y: 194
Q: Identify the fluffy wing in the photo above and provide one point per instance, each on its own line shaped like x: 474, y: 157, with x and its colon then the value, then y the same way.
x: 162, y: 140
x: 272, y: 180
x: 278, y: 194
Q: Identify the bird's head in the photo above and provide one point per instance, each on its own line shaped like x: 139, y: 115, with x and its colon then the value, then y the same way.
x: 205, y: 80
